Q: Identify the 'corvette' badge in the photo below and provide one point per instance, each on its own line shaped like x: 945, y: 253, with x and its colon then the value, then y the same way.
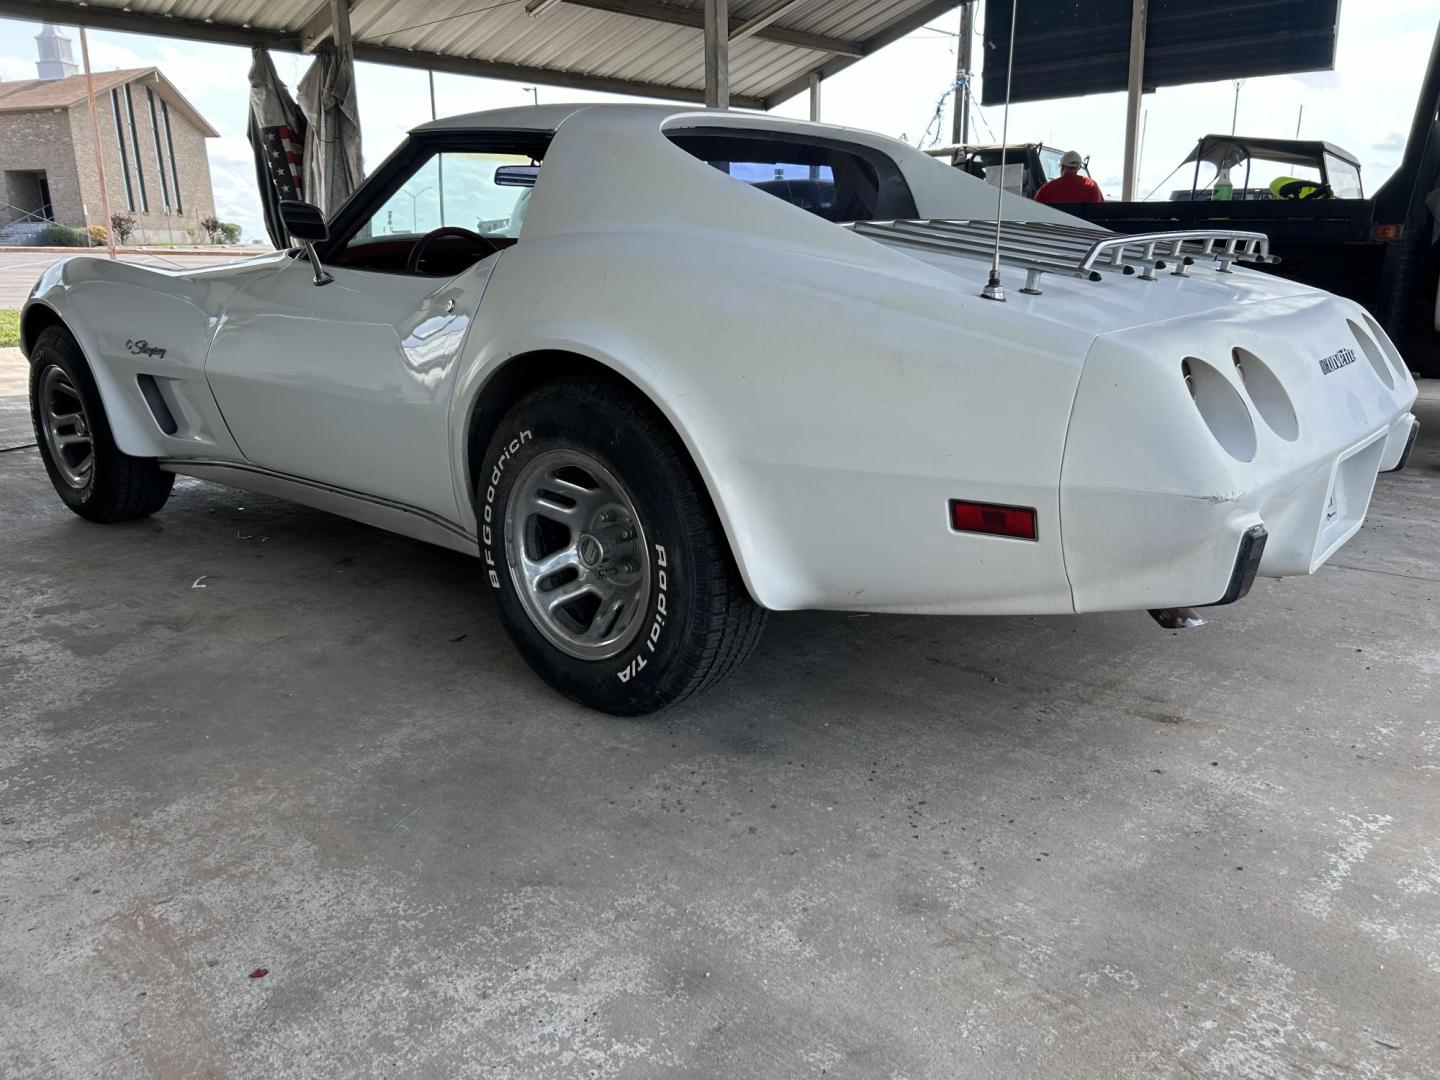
x: 1336, y: 360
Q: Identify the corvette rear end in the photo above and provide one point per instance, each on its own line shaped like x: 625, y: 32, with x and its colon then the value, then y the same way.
x: 1225, y: 424
x: 1207, y: 449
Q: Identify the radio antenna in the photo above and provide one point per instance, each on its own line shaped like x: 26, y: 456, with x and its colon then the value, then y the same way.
x: 993, y: 289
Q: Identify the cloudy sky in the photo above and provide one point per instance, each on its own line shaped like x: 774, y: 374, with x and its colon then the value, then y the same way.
x: 1365, y: 104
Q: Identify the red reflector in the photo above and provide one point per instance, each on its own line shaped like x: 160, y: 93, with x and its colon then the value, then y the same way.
x: 1016, y: 521
x: 1385, y: 232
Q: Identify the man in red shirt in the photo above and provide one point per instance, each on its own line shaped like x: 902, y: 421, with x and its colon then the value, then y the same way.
x: 1070, y: 186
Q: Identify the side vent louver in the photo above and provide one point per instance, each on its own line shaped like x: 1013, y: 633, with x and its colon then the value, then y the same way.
x: 150, y: 391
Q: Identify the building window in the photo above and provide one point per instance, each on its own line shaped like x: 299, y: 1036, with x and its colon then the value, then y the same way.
x: 135, y: 145
x: 124, y: 157
x: 159, y: 153
x: 170, y: 145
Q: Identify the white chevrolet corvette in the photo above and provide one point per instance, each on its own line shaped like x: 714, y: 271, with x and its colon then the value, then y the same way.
x: 661, y: 370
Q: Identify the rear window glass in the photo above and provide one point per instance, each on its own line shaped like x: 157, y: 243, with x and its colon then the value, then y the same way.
x: 834, y: 180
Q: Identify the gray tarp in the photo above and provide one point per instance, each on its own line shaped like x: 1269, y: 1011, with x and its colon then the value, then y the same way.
x: 332, y: 142
x: 277, y: 135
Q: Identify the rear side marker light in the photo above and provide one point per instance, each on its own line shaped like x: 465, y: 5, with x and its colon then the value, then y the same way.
x: 993, y: 519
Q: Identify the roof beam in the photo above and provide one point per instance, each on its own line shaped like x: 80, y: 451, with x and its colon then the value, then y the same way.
x: 140, y: 22
x: 761, y: 19
x: 835, y: 64
x: 694, y: 18
x: 320, y: 26
x: 493, y: 69
x: 134, y: 22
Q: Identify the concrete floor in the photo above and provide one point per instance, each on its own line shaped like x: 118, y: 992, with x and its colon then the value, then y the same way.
x: 244, y: 735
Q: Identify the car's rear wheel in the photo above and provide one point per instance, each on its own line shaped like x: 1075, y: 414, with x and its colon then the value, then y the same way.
x: 90, y: 473
x: 611, y: 570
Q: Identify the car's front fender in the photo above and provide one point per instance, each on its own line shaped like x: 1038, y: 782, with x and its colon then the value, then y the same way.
x: 132, y: 320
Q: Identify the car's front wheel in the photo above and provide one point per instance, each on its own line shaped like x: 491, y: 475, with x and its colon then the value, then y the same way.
x: 92, y: 476
x: 612, y: 573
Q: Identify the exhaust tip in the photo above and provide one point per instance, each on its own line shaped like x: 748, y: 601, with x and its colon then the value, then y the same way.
x: 1177, y: 618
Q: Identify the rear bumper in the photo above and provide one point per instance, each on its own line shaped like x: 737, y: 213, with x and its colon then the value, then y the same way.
x: 1399, y: 443
x: 1156, y: 550
x: 1247, y: 564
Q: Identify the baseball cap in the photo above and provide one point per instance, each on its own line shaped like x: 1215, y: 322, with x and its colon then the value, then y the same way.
x: 1071, y: 159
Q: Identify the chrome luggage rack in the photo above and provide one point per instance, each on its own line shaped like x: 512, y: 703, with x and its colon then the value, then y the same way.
x: 1046, y: 248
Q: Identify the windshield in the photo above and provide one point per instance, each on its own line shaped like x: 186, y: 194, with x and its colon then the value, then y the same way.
x: 1252, y: 178
x: 1050, y: 162
x: 985, y: 164
x: 1344, y: 178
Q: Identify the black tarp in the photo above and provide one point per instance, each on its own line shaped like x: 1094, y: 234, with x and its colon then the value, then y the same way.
x: 1065, y: 48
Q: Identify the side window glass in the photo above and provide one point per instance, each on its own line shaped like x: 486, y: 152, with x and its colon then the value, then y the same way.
x: 482, y: 192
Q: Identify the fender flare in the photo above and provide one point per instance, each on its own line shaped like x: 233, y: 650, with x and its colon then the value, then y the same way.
x: 485, y: 391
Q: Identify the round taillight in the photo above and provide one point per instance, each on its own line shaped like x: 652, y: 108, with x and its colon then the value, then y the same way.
x: 1387, y: 347
x: 1267, y: 394
x: 1372, y: 353
x: 1221, y: 407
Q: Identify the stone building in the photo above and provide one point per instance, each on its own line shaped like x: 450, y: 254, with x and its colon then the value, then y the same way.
x: 152, y: 143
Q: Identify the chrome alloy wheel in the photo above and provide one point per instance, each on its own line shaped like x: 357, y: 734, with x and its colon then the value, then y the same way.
x: 578, y: 554
x: 66, y: 428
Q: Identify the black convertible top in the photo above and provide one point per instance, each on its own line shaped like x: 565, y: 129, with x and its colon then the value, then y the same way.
x: 1226, y: 150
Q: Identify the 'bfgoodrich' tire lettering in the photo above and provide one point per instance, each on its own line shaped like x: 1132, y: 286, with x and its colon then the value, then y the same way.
x: 487, y: 512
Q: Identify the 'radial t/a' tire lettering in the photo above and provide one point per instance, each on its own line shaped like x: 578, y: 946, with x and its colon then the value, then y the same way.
x: 611, y: 571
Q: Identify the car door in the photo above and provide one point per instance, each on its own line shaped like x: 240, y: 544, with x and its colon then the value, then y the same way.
x: 349, y: 383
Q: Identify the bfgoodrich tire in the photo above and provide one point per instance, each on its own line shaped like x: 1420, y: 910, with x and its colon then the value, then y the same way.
x: 90, y: 473
x: 612, y: 573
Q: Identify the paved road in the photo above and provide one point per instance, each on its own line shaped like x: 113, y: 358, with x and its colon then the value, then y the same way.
x: 889, y: 847
x: 15, y: 427
x: 19, y: 270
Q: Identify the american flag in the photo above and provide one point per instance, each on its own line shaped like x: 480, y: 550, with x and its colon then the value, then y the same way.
x: 285, y: 151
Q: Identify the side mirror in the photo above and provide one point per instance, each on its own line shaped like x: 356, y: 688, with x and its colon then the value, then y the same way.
x: 304, y: 221
x: 307, y: 224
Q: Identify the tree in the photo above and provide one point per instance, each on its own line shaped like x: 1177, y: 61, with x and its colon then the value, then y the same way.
x: 123, y: 226
x: 212, y: 226
x: 229, y: 232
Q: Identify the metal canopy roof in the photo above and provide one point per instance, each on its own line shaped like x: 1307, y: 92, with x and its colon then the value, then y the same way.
x: 647, y: 47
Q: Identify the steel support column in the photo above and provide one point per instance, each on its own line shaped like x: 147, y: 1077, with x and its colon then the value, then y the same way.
x: 960, y: 121
x: 717, y: 54
x: 815, y: 96
x: 1138, y: 15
